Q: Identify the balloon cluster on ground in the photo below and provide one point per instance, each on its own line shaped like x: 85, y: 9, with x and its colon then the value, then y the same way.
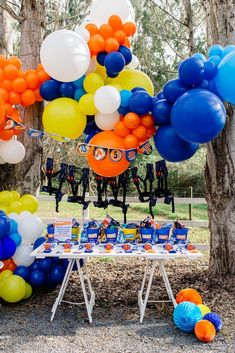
x: 191, y: 315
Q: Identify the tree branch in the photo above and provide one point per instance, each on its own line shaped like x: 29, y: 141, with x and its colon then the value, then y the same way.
x: 11, y: 12
x: 168, y: 13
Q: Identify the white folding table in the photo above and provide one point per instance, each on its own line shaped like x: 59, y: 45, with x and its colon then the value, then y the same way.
x: 153, y: 259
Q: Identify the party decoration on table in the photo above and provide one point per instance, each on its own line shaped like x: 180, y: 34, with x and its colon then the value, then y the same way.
x: 186, y: 315
x: 190, y: 295
x: 205, y: 331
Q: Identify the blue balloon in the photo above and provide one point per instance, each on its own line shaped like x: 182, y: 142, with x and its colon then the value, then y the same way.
x: 13, y: 226
x: 126, y: 52
x: 23, y: 272
x: 16, y: 238
x: 198, y: 116
x: 161, y: 112
x: 173, y: 89
x: 125, y: 97
x: 37, y: 278
x: 191, y: 71
x: 216, y: 49
x: 186, y: 315
x: 210, y: 70
x: 50, y: 90
x: 199, y: 56
x: 57, y: 274
x: 55, y: 260
x: 225, y: 78
x: 91, y: 127
x: 79, y: 93
x: 7, y: 248
x: 38, y: 242
x: 215, y: 59
x: 137, y: 89
x: 227, y: 50
x: 2, y: 213
x: 79, y: 83
x: 4, y: 226
x: 140, y: 102
x: 160, y: 95
x: 171, y: 147
x: 89, y: 137
x: 49, y: 284
x: 215, y: 319
x: 34, y: 266
x: 123, y: 110
x: 114, y: 62
x: 45, y: 265
x: 67, y: 89
x: 101, y: 57
x: 204, y: 84
x: 112, y: 75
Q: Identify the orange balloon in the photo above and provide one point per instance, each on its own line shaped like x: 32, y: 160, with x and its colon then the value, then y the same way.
x: 150, y: 132
x: 189, y: 295
x: 106, y: 31
x: 22, y: 74
x: 2, y: 108
x: 132, y: 120
x: 121, y: 130
x: 3, y: 61
x: 43, y: 76
x: 14, y: 98
x: 6, y: 135
x: 92, y: 29
x: 28, y: 98
x: 120, y: 36
x: 19, y: 85
x: 130, y: 141
x: 129, y: 29
x: 38, y: 95
x: 6, y: 263
x: 147, y: 120
x: 127, y: 43
x: 15, y: 114
x: 111, y: 44
x: 205, y: 331
x: 10, y: 72
x: 9, y: 109
x: 7, y: 85
x: 4, y: 94
x: 39, y: 67
x: 32, y: 80
x: 96, y: 43
x: 115, y: 22
x: 1, y: 75
x: 12, y: 266
x: 13, y: 60
x: 106, y: 167
x: 140, y: 132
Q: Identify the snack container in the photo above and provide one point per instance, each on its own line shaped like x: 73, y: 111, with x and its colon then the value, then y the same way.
x: 92, y: 234
x: 111, y: 234
x: 147, y: 234
x: 162, y: 235
x: 129, y: 234
x: 180, y: 235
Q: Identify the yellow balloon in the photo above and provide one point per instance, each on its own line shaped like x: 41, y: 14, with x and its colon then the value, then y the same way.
x: 4, y: 208
x: 204, y: 309
x: 29, y: 203
x: 16, y: 195
x: 129, y: 79
x: 92, y: 82
x: 3, y: 276
x: 28, y: 292
x: 116, y: 85
x: 87, y: 105
x: 6, y: 198
x: 13, y: 289
x: 101, y: 71
x: 15, y: 207
x: 63, y: 117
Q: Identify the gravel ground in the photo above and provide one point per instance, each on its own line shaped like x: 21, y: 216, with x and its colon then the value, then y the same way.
x: 26, y: 327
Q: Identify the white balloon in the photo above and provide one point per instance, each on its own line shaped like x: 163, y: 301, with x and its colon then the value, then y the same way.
x: 101, y: 10
x: 107, y: 121
x: 83, y: 32
x: 25, y: 214
x: 15, y: 217
x: 92, y: 67
x: 134, y: 63
x: 12, y: 151
x: 30, y: 228
x: 65, y: 56
x: 22, y: 255
x: 107, y: 99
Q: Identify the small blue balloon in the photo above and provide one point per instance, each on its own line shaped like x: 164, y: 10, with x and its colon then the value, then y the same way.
x: 101, y: 57
x: 204, y: 84
x: 79, y: 83
x: 216, y: 49
x: 67, y: 89
x: 171, y: 147
x: 215, y: 59
x: 137, y: 89
x: 140, y: 103
x: 38, y: 242
x: 160, y: 95
x: 37, y: 278
x: 161, y: 112
x: 2, y: 213
x: 126, y: 52
x: 16, y: 238
x: 4, y: 226
x: 215, y: 319
x: 123, y: 110
x: 227, y: 50
x: 112, y: 75
x: 210, y: 70
x: 13, y: 226
x: 173, y: 89
x: 50, y: 90
x: 91, y: 127
x: 7, y: 248
x: 225, y: 78
x: 45, y: 265
x: 186, y: 315
x: 89, y: 137
x: 114, y: 62
x: 199, y: 56
x: 23, y: 272
x: 34, y: 266
x: 198, y: 116
x: 79, y: 93
x: 191, y: 71
x: 125, y: 97
x: 57, y: 274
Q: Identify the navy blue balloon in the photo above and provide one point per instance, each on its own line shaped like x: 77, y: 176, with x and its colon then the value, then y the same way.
x: 34, y: 266
x: 171, y: 147
x: 57, y: 274
x: 49, y: 284
x: 4, y: 226
x: 55, y: 260
x: 45, y: 265
x: 38, y: 242
x: 7, y: 248
x: 204, y: 84
x: 112, y: 75
x: 191, y: 71
x: 123, y: 110
x: 13, y: 226
x: 160, y: 95
x: 91, y: 127
x: 2, y: 213
x: 173, y: 89
x: 37, y: 278
x: 23, y: 272
x: 137, y: 89
x: 198, y: 116
x: 215, y: 319
x: 50, y: 90
x: 126, y: 52
x: 140, y: 102
x: 89, y: 137
x: 101, y: 57
x: 67, y: 89
x: 161, y: 112
x: 210, y: 70
x: 114, y: 62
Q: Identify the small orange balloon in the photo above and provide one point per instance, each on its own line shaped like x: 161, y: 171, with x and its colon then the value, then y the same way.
x: 19, y: 85
x: 6, y: 135
x: 130, y: 141
x: 39, y: 67
x: 6, y: 263
x: 28, y: 98
x: 189, y: 295
x: 9, y: 109
x: 205, y: 331
x: 43, y: 76
x: 111, y: 44
x: 147, y: 120
x: 32, y: 80
x: 108, y: 167
x: 1, y: 75
x: 92, y: 29
x: 3, y: 61
x: 129, y: 29
x: 96, y: 43
x: 115, y: 22
x: 14, y: 98
x: 140, y: 132
x: 120, y: 36
x: 22, y: 74
x: 12, y: 266
x: 10, y: 72
x: 127, y: 43
x: 132, y: 120
x: 7, y: 85
x: 38, y: 95
x: 4, y: 94
x: 106, y: 31
x: 13, y: 60
x: 2, y: 108
x: 121, y: 130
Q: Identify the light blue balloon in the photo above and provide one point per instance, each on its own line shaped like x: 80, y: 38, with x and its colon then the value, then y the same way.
x: 225, y: 78
x: 13, y: 226
x: 125, y: 96
x: 216, y: 49
x: 216, y: 59
x: 79, y: 93
x: 186, y: 315
x: 16, y: 238
x: 200, y: 56
x: 79, y: 83
x: 227, y: 50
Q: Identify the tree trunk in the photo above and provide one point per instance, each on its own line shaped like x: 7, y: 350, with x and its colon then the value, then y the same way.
x: 220, y: 165
x: 25, y: 176
x: 3, y: 43
x: 189, y: 24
